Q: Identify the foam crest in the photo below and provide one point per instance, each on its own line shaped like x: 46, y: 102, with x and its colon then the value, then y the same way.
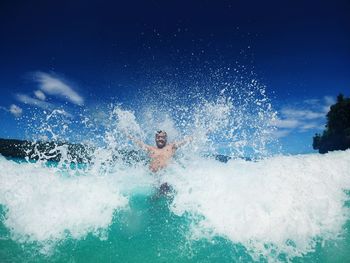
x: 280, y: 205
x: 44, y: 204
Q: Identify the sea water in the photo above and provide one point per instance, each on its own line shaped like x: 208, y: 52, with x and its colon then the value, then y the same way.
x: 274, y: 208
x: 284, y: 208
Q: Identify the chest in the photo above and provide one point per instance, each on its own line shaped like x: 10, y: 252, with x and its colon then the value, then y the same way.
x: 164, y: 153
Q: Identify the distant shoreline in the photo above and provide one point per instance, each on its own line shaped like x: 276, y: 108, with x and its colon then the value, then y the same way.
x: 24, y: 149
x: 14, y: 148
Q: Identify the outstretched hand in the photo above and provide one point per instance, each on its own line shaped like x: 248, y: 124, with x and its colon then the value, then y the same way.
x: 208, y: 131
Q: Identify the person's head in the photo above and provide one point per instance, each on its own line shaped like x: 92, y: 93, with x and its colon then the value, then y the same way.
x: 161, y: 139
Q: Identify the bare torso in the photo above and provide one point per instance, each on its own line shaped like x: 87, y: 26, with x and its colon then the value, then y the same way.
x: 163, y: 152
x: 161, y: 157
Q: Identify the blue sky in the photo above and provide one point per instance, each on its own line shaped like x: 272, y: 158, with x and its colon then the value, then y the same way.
x: 79, y: 55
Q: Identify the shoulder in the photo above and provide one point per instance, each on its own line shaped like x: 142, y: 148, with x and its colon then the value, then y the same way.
x: 173, y: 146
x: 151, y: 148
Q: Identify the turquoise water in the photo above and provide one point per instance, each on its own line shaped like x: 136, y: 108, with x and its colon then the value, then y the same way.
x: 147, y: 232
x: 48, y: 216
x: 150, y: 232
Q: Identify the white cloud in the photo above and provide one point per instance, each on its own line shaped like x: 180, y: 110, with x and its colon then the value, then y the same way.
x: 310, y: 126
x: 33, y: 102
x: 309, y: 115
x: 302, y: 114
x: 280, y: 133
x: 40, y: 95
x: 329, y: 100
x: 285, y: 123
x: 54, y: 86
x: 42, y: 104
x: 16, y: 110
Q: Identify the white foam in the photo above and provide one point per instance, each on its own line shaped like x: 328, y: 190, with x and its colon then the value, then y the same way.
x: 282, y: 203
x: 42, y: 204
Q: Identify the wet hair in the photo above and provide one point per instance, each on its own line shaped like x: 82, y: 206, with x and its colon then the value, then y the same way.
x: 160, y: 131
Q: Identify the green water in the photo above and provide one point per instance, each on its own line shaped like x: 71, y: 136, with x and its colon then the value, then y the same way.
x: 150, y: 232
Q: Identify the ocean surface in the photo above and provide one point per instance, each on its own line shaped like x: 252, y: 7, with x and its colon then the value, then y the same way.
x: 277, y: 209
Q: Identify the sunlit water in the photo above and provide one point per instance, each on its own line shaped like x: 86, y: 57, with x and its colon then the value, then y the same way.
x: 287, y: 207
x: 274, y: 208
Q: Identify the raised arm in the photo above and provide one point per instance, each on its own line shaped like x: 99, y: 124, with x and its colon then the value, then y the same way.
x: 187, y: 139
x: 183, y: 142
x: 139, y: 143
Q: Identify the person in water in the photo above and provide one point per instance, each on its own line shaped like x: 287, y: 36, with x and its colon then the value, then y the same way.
x: 162, y: 153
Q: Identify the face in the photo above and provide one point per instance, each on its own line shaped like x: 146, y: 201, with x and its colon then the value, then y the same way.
x: 161, y: 139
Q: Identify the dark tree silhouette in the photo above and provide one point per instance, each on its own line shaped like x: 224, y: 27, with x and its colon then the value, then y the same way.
x: 336, y: 136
